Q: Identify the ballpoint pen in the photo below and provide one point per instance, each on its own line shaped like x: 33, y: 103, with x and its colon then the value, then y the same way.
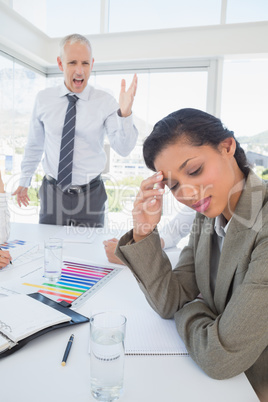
x: 10, y: 262
x: 67, y: 350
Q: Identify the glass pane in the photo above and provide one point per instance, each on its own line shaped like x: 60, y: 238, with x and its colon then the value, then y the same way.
x: 61, y: 17
x: 158, y: 94
x: 134, y: 15
x: 245, y: 105
x: 27, y: 84
x: 6, y: 116
x: 19, y: 87
x: 246, y: 11
x: 54, y: 81
x: 66, y: 16
x: 175, y: 90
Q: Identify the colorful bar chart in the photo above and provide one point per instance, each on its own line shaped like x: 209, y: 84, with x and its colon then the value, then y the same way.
x: 78, y: 282
x: 12, y: 244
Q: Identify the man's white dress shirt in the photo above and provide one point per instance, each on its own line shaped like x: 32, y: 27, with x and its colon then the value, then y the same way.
x: 178, y: 228
x: 96, y: 115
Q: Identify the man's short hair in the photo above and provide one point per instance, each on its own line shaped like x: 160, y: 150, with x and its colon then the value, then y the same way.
x: 73, y: 38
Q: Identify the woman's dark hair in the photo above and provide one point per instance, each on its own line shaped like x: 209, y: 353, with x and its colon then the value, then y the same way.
x: 197, y: 127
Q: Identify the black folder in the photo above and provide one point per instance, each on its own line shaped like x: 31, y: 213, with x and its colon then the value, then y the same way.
x: 63, y: 307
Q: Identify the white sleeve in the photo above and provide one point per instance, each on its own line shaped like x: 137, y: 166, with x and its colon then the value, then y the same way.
x: 4, y: 218
x: 122, y: 133
x: 179, y: 227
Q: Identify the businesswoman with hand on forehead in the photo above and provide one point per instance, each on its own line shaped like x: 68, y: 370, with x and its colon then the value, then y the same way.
x: 218, y: 291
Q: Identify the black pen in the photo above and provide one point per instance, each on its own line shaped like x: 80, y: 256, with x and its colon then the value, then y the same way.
x: 10, y: 262
x: 67, y: 350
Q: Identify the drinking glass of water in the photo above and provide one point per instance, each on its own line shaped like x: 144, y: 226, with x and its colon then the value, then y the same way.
x: 53, y: 259
x: 107, y: 354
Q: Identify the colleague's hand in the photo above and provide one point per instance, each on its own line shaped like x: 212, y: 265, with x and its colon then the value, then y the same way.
x: 148, y: 206
x: 5, y: 258
x: 109, y: 247
x: 22, y: 196
x: 2, y: 189
x: 126, y: 98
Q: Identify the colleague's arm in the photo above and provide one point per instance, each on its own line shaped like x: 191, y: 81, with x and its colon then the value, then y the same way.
x: 119, y: 125
x: 111, y: 244
x: 126, y: 97
x: 110, y: 247
x: 178, y: 228
x: 165, y: 241
x: 5, y: 258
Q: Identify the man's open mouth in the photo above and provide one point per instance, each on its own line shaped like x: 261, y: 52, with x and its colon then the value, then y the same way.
x: 78, y: 81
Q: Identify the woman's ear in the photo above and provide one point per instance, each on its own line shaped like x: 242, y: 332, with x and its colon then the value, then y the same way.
x: 228, y: 146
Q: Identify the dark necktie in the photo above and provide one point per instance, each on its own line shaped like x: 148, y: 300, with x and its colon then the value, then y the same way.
x: 67, y: 145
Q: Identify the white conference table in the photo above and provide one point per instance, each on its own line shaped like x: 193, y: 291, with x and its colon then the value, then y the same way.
x: 34, y: 373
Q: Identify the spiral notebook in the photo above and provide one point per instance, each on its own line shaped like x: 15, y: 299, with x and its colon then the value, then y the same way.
x: 149, y: 334
x: 24, y: 317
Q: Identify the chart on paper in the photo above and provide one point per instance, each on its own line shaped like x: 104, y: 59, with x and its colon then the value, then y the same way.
x: 22, y: 251
x: 79, y: 280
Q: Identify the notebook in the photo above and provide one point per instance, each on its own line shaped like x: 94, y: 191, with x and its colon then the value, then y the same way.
x: 5, y: 343
x: 24, y: 317
x: 149, y: 334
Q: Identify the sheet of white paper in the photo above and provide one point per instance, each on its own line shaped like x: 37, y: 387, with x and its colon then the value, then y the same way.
x: 76, y: 234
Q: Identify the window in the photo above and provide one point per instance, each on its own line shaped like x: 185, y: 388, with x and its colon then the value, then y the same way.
x: 245, y: 104
x: 158, y: 94
x: 134, y: 15
x: 58, y: 18
x: 246, y: 11
x: 170, y: 91
x: 61, y: 17
x: 6, y: 117
x: 18, y: 88
x: 259, y: 162
x: 244, y: 96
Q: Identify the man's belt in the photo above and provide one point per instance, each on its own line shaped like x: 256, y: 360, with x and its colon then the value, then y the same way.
x: 76, y: 189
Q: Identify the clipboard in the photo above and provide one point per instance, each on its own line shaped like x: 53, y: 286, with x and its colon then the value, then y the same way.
x: 63, y: 307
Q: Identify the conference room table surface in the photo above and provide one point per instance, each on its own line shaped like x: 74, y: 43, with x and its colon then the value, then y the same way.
x: 34, y: 373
